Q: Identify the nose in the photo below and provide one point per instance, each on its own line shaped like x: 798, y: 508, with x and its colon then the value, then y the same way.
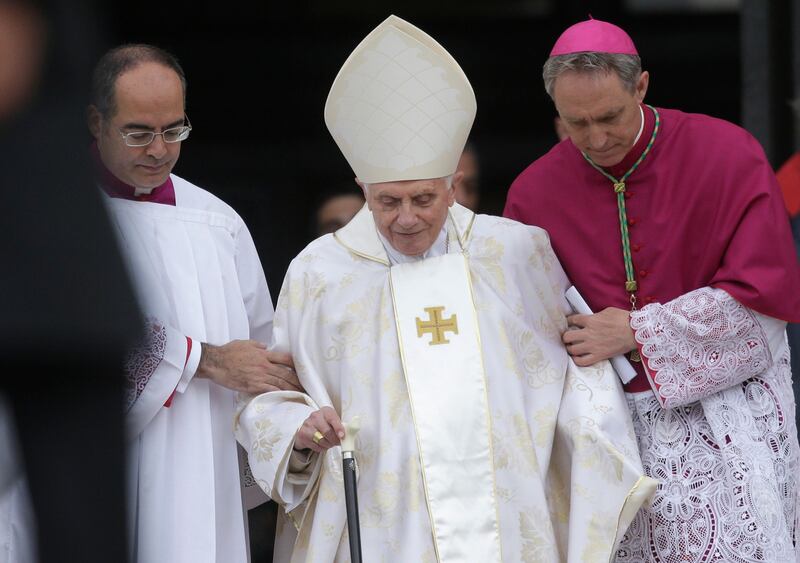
x: 406, y: 218
x: 158, y: 148
x: 598, y: 138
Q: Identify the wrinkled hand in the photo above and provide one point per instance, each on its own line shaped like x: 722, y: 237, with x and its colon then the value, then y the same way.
x: 592, y: 338
x: 247, y: 366
x: 324, y: 421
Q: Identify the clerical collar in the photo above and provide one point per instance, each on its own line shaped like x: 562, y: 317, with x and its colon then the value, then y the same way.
x: 641, y: 125
x: 439, y: 247
x: 114, y: 187
x: 645, y: 132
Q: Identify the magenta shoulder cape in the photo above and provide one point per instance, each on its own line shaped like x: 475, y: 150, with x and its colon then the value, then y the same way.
x: 704, y: 209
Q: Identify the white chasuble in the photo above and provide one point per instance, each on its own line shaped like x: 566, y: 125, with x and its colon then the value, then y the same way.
x: 197, y: 274
x: 492, y: 447
x: 441, y: 354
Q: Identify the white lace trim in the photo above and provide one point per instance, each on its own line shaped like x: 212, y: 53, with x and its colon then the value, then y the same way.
x: 728, y: 464
x: 142, y: 361
x: 699, y: 344
x: 728, y: 470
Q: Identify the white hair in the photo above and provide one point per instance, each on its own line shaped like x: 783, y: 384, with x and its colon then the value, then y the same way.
x: 448, y: 181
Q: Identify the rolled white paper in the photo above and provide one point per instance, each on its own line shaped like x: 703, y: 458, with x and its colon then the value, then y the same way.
x: 621, y: 365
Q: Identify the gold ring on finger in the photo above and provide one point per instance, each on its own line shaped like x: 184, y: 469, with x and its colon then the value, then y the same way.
x: 317, y: 437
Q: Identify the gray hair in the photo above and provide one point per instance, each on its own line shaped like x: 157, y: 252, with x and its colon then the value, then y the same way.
x: 627, y: 67
x: 121, y: 59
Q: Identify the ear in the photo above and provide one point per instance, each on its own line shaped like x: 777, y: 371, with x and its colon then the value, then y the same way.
x: 95, y: 121
x: 364, y: 190
x: 560, y: 128
x: 458, y: 177
x: 641, y: 86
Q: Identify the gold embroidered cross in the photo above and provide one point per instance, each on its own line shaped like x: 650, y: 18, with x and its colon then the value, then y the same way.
x: 436, y: 325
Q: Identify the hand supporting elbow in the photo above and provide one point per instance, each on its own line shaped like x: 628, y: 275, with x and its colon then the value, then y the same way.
x: 247, y: 366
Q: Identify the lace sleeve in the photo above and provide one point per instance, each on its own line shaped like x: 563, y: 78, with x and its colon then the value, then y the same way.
x: 699, y: 344
x: 153, y: 372
x: 142, y: 361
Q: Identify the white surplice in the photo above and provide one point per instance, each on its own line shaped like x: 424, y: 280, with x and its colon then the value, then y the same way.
x: 718, y: 432
x: 565, y: 476
x: 197, y: 275
x: 17, y: 521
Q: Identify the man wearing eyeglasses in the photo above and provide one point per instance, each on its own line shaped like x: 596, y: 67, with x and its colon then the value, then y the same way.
x: 208, y: 311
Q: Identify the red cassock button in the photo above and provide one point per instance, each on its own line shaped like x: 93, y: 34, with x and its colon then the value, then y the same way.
x: 631, y: 221
x: 637, y: 247
x: 643, y: 273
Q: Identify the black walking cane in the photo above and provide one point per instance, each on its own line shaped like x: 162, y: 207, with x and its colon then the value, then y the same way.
x: 350, y: 495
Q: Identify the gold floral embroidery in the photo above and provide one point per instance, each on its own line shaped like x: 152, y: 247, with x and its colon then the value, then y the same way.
x: 558, y: 498
x: 364, y: 377
x: 348, y: 332
x: 393, y: 496
x: 367, y: 454
x: 542, y: 256
x: 553, y: 322
x: 593, y: 452
x: 414, y: 484
x: 537, y: 369
x: 512, y: 445
x: 381, y: 506
x: 537, y: 538
x: 488, y: 252
x: 330, y: 485
x: 396, y: 393
x: 345, y: 340
x: 328, y: 529
x: 307, y: 257
x: 365, y: 308
x: 298, y: 293
x: 599, y: 537
x: 508, y: 353
x: 267, y: 436
x: 503, y: 494
x: 545, y: 424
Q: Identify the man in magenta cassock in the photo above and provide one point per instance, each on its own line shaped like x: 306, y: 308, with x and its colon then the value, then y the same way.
x: 672, y: 227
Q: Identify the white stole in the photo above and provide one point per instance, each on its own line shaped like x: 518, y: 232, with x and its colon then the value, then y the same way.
x: 447, y: 387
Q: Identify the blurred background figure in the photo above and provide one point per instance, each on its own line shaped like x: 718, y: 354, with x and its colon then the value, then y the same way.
x: 468, y: 190
x: 22, y: 45
x: 22, y: 41
x: 789, y: 176
x: 336, y: 208
x: 68, y: 313
x: 789, y: 179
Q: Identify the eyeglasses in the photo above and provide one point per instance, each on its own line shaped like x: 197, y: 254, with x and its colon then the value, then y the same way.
x: 144, y: 138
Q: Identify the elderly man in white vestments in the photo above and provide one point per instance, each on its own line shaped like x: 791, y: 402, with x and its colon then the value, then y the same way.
x: 440, y: 330
x: 203, y: 289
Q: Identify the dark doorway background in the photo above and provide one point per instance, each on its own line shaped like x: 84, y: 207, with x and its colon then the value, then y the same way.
x: 259, y: 74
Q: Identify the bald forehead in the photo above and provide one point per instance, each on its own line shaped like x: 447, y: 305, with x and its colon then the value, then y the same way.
x: 149, y: 87
x: 148, y: 75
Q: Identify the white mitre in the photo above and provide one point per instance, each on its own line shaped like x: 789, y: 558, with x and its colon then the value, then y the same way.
x: 400, y: 108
